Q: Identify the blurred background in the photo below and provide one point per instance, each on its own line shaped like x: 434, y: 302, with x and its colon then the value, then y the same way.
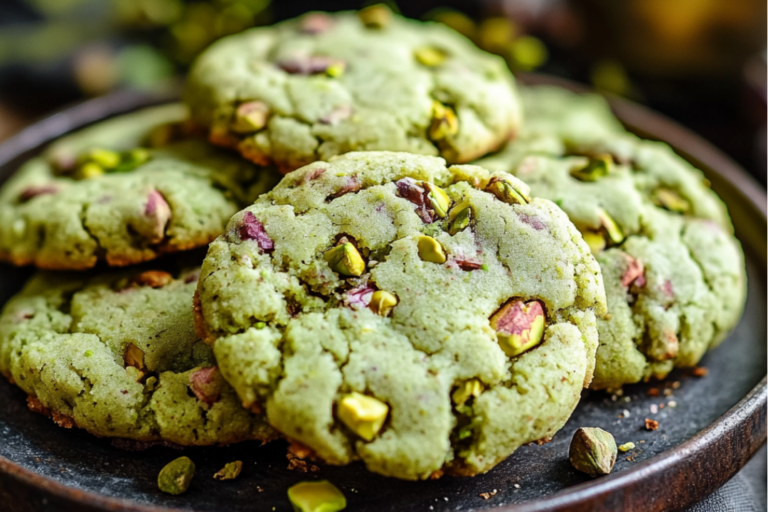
x: 701, y: 62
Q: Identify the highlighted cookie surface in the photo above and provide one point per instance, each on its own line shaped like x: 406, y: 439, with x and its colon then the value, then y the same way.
x: 353, y: 308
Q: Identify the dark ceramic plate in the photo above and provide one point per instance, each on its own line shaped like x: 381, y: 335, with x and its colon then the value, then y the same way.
x: 719, y: 421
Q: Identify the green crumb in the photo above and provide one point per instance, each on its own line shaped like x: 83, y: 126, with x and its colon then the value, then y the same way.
x: 230, y: 471
x: 627, y: 446
x: 261, y: 325
x: 484, y: 267
x: 321, y: 496
x: 88, y: 353
x: 176, y: 476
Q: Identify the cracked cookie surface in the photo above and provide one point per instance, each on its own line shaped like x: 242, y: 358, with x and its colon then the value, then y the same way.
x: 674, y: 273
x: 421, y: 318
x: 117, y: 355
x: 98, y: 195
x: 326, y: 84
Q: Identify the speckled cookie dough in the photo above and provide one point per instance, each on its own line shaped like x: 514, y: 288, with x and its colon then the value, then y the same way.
x: 117, y: 355
x: 123, y: 191
x: 387, y: 308
x: 326, y: 84
x: 674, y: 274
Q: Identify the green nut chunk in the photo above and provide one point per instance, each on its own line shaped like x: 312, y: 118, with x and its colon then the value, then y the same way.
x: 468, y: 389
x: 519, y: 325
x: 593, y: 451
x: 595, y: 241
x: 460, y: 218
x: 627, y: 446
x: 615, y: 234
x: 176, y: 476
x: 336, y: 69
x: 230, y: 471
x: 597, y: 167
x: 375, y: 16
x: 444, y: 122
x: 431, y: 250
x: 430, y: 56
x: 364, y: 415
x: 103, y: 157
x: 382, y: 302
x: 345, y: 259
x: 132, y: 159
x: 505, y: 192
x: 671, y: 200
x: 320, y: 496
x: 250, y: 117
x: 89, y: 170
x: 438, y: 199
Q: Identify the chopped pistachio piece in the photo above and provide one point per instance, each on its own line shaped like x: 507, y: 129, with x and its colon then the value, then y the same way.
x: 132, y: 159
x: 627, y: 446
x: 466, y: 390
x: 430, y: 56
x: 438, y: 199
x: 89, y: 170
x: 105, y: 158
x: 671, y: 200
x: 460, y: 218
x: 615, y: 234
x: 431, y: 250
x: 382, y: 302
x: 505, y: 192
x: 345, y: 260
x: 519, y: 325
x: 250, y: 117
x: 230, y: 471
x: 593, y: 451
x: 595, y: 241
x: 320, y: 496
x: 364, y: 415
x: 176, y: 476
x: 375, y: 16
x: 336, y: 69
x: 597, y: 167
x: 444, y: 122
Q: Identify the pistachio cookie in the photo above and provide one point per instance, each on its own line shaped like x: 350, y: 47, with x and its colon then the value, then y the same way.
x: 117, y: 355
x: 387, y: 308
x: 674, y: 273
x: 325, y: 84
x: 123, y: 191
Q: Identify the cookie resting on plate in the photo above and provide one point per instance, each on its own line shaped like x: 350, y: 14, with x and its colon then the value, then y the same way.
x: 418, y: 317
x: 674, y: 273
x: 325, y: 84
x: 123, y: 191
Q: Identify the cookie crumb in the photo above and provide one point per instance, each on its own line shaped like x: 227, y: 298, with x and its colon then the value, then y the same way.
x: 654, y: 392
x: 700, y: 371
x: 654, y: 408
x: 672, y: 404
x: 651, y: 424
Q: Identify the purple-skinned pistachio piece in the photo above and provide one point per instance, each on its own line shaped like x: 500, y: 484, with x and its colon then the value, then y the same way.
x: 252, y: 229
x: 37, y: 190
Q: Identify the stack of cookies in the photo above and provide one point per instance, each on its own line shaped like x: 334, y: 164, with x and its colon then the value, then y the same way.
x: 401, y: 268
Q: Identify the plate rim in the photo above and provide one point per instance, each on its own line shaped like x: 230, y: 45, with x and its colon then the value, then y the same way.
x: 619, y: 490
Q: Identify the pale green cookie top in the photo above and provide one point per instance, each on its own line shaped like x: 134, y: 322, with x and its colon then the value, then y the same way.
x: 674, y: 274
x: 292, y: 334
x: 117, y: 355
x: 97, y: 195
x: 325, y: 84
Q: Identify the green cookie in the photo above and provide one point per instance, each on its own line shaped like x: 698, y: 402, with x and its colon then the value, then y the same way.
x: 97, y: 195
x: 387, y: 308
x: 117, y: 355
x: 326, y: 84
x: 674, y: 274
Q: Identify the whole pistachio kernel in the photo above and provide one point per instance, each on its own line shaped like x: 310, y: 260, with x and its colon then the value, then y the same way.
x: 506, y: 192
x: 519, y: 325
x: 430, y: 56
x: 466, y: 390
x: 320, y: 496
x: 345, y: 259
x: 430, y: 250
x: 615, y: 234
x: 597, y: 167
x: 375, y: 16
x: 671, y: 200
x: 595, y: 241
x: 176, y: 476
x: 460, y: 217
x: 444, y: 122
x: 364, y: 415
x: 250, y: 117
x: 438, y: 199
x: 382, y: 302
x: 592, y: 451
